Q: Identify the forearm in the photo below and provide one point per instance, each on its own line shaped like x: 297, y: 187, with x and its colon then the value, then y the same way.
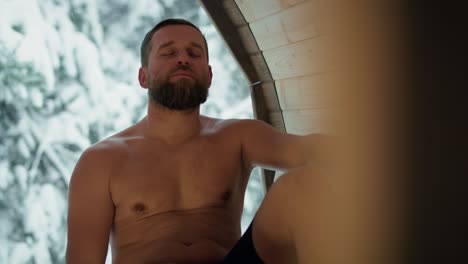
x: 316, y: 149
x: 84, y: 257
x: 91, y: 250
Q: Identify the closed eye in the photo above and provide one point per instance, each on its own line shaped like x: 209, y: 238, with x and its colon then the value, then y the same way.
x: 170, y: 53
x: 194, y: 53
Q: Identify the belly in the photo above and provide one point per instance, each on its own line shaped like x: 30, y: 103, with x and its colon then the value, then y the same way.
x: 192, y: 236
x: 167, y: 251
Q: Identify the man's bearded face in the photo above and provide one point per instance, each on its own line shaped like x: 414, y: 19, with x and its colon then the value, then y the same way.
x: 179, y: 94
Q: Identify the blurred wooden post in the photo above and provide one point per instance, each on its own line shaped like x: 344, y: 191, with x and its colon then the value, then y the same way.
x: 322, y: 66
x: 359, y: 220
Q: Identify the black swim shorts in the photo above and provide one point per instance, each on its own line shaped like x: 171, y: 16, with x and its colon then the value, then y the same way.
x: 243, y: 251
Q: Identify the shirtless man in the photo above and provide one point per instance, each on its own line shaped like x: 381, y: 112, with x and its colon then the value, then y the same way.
x: 170, y: 189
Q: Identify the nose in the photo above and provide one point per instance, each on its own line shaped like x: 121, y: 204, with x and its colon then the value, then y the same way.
x: 183, y: 59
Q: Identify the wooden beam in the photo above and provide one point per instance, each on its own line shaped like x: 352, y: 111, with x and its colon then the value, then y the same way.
x: 248, y: 39
x: 277, y: 120
x: 230, y: 34
x: 270, y: 97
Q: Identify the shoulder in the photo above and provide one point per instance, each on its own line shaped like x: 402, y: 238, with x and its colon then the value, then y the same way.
x: 113, y: 146
x: 247, y: 131
x: 93, y: 171
x: 100, y: 159
x: 236, y: 124
x: 251, y: 130
x: 246, y: 123
x: 104, y: 150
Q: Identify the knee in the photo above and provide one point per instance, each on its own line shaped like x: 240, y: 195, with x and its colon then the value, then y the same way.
x: 286, y: 195
x: 294, y: 182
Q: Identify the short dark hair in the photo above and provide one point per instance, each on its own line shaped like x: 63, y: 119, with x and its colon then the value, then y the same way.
x: 146, y: 44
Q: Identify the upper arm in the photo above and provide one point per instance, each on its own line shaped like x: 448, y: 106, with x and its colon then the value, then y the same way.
x: 264, y: 146
x: 90, y: 209
x: 267, y: 147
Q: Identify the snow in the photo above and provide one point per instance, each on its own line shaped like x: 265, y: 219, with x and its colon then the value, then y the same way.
x: 6, y: 178
x: 87, y: 52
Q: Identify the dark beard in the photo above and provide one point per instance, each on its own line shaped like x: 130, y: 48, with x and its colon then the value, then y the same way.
x: 181, y: 95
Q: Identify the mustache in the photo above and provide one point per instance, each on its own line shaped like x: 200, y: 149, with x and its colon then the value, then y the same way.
x: 183, y: 68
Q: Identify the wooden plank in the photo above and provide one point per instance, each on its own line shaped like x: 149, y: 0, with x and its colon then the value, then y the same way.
x: 288, y: 26
x: 313, y: 91
x: 307, y: 121
x: 256, y: 9
x: 307, y: 57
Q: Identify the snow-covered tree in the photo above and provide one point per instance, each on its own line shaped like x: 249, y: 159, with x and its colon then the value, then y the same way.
x: 68, y: 78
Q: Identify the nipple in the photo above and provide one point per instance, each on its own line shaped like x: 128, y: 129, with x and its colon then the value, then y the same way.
x: 226, y: 195
x: 139, y: 207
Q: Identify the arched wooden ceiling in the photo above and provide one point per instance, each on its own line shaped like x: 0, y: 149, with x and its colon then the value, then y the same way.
x: 286, y: 48
x: 279, y: 48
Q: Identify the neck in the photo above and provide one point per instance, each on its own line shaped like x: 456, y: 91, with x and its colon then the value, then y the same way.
x: 171, y: 126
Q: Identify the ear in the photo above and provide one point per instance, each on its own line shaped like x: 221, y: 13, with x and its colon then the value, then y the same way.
x: 211, y: 76
x: 142, y: 78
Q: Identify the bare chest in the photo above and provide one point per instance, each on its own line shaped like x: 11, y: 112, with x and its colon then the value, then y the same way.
x: 153, y: 179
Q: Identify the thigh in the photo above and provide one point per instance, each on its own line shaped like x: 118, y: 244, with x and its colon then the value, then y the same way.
x: 273, y: 225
